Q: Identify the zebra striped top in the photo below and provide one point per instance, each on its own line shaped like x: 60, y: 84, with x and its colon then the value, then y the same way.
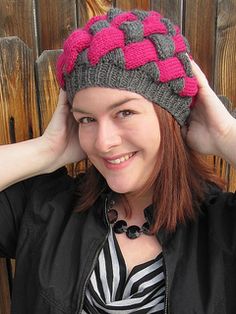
x: 111, y: 289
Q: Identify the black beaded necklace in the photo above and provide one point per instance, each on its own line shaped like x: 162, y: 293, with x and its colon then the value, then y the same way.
x: 121, y: 226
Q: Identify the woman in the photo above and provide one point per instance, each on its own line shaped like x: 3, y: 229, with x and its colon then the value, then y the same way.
x: 148, y: 228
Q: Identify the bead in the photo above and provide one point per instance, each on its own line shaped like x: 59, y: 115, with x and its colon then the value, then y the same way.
x: 133, y: 232
x: 112, y: 203
x: 120, y: 226
x: 146, y: 228
x: 112, y: 215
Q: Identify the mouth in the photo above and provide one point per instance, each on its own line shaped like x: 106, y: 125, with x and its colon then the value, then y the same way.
x: 121, y: 159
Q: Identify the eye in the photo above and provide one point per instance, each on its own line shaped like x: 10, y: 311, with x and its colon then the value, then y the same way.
x: 85, y: 120
x: 125, y: 113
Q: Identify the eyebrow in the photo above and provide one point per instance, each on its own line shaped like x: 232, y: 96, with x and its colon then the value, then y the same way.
x: 112, y: 106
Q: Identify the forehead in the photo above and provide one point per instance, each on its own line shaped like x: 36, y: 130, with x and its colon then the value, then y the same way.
x: 97, y: 97
x: 103, y: 94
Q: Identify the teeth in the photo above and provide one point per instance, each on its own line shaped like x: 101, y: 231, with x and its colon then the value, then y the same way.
x: 120, y: 160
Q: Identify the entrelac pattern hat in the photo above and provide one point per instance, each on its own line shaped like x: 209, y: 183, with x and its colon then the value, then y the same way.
x: 138, y: 51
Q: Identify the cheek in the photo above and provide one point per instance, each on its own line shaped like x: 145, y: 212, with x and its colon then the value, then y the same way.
x: 154, y: 136
x: 149, y: 132
x: 85, y: 140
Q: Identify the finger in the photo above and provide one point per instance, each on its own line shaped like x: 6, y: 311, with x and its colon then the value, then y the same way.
x: 201, y: 77
x: 62, y: 99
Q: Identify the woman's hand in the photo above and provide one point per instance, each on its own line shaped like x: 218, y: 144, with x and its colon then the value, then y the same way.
x: 210, y: 128
x: 58, y: 146
x: 61, y: 135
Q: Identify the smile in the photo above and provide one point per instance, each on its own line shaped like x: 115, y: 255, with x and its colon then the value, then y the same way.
x: 121, y: 159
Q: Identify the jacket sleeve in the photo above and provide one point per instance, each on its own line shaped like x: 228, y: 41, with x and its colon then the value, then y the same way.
x: 222, y: 217
x: 13, y: 201
x: 17, y: 205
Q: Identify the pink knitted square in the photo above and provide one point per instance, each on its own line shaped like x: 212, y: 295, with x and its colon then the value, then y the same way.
x: 144, y: 52
x: 190, y: 87
x: 151, y: 26
x: 177, y: 29
x: 180, y: 45
x: 156, y: 14
x: 170, y: 69
x: 60, y: 67
x: 103, y: 42
x: 78, y: 41
x: 124, y: 17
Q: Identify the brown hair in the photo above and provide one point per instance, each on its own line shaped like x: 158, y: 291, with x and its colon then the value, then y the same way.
x: 179, y: 179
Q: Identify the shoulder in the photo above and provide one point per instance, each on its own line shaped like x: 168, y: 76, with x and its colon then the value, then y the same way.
x: 49, y: 208
x: 219, y: 210
x: 37, y: 189
x: 48, y: 198
x: 50, y: 193
x: 30, y: 203
x: 50, y: 184
x: 218, y: 200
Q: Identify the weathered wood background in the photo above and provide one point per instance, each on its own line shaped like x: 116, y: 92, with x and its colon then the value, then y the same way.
x: 31, y: 32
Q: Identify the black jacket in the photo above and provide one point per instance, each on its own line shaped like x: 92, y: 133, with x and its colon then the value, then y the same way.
x: 56, y: 250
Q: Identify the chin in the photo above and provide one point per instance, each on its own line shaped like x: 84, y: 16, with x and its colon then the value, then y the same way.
x: 118, y: 189
x: 121, y: 188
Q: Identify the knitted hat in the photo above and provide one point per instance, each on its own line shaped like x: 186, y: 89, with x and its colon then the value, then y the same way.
x: 137, y: 51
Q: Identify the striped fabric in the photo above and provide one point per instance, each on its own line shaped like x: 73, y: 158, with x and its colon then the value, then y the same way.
x: 112, y: 289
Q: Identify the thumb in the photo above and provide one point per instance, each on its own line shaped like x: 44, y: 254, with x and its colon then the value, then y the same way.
x: 62, y: 98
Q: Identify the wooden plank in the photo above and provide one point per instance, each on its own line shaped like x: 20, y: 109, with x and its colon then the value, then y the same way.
x: 88, y: 8
x: 47, y: 85
x: 17, y: 19
x: 4, y: 288
x: 232, y: 180
x: 199, y: 28
x: 48, y: 90
x: 225, y: 78
x: 18, y: 115
x: 18, y: 110
x: 170, y: 9
x: 133, y: 4
x: 222, y: 169
x: 55, y: 20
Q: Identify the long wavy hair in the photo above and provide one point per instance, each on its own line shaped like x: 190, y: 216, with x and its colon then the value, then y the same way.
x: 179, y: 179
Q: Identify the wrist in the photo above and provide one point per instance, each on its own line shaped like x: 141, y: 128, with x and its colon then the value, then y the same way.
x: 227, y: 146
x: 23, y: 160
x: 51, y: 159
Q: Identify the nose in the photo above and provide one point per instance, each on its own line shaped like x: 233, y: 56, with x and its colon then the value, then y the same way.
x: 108, y: 136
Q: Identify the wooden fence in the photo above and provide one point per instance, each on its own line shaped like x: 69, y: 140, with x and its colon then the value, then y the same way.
x: 32, y: 32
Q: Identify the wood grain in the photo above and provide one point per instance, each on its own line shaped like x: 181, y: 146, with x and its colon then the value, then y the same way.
x: 170, y: 9
x: 18, y: 115
x: 17, y: 19
x: 199, y: 28
x: 18, y: 110
x: 88, y: 8
x: 133, y: 4
x: 47, y: 85
x: 225, y: 75
x: 55, y: 20
x: 48, y: 90
x: 4, y: 288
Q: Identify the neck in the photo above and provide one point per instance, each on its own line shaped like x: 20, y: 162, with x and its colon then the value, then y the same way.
x: 139, y: 202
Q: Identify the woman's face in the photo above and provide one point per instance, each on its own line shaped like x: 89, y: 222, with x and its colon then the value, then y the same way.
x: 119, y: 132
